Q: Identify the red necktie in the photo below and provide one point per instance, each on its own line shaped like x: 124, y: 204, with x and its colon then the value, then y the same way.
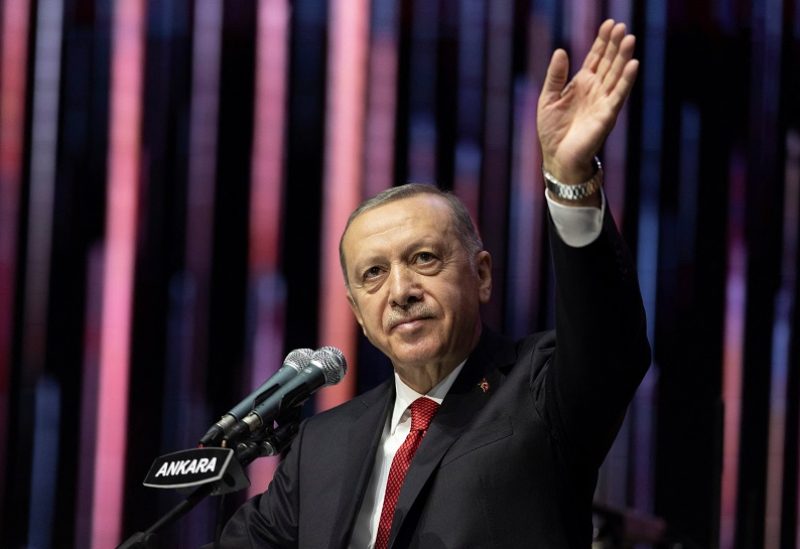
x: 422, y: 412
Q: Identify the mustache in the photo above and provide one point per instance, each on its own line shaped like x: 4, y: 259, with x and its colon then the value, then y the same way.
x: 415, y: 312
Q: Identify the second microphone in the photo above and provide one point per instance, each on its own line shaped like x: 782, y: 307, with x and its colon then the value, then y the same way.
x: 326, y: 367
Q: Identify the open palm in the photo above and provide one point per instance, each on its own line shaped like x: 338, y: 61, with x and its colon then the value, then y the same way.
x: 574, y: 119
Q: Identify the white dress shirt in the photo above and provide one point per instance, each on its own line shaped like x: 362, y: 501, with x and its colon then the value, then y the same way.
x: 397, y: 427
x: 577, y: 227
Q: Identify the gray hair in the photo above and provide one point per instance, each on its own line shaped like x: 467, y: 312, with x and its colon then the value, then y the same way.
x: 465, y: 229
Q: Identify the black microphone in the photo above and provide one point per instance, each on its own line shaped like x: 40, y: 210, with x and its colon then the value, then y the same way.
x: 293, y: 364
x: 326, y: 367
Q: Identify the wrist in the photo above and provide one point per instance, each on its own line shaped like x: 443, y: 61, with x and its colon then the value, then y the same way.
x: 575, y: 192
x: 570, y: 173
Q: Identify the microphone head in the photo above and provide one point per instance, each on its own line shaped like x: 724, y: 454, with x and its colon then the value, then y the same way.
x: 298, y: 359
x: 332, y: 363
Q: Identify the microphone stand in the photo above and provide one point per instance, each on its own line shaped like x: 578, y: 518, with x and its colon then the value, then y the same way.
x: 148, y: 538
x: 267, y: 443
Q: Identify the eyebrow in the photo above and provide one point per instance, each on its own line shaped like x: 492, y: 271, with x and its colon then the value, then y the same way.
x: 425, y: 242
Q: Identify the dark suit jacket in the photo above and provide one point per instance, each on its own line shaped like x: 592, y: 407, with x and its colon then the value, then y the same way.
x: 507, y: 463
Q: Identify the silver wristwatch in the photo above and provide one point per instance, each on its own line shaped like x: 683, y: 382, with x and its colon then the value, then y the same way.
x: 577, y: 191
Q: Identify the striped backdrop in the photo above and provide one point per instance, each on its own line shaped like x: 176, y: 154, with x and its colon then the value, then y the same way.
x: 175, y: 175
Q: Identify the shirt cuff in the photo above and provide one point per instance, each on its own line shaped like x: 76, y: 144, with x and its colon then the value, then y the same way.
x: 577, y: 226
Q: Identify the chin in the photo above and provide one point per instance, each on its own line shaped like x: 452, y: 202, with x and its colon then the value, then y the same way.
x: 416, y: 357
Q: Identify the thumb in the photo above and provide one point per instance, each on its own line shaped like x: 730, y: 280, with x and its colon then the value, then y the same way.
x: 556, y: 77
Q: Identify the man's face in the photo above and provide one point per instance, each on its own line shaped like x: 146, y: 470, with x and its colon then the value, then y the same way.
x: 413, y: 288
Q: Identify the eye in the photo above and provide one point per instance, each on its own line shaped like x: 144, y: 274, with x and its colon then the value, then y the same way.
x: 424, y: 258
x: 371, y: 273
x: 426, y: 263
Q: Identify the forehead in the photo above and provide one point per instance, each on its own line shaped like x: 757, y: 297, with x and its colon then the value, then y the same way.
x: 419, y: 216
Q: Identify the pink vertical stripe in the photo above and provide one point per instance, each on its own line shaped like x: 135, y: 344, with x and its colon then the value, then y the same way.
x: 347, y: 67
x: 121, y: 211
x: 13, y: 48
x: 785, y: 302
x: 265, y: 204
x: 732, y: 356
x: 268, y: 135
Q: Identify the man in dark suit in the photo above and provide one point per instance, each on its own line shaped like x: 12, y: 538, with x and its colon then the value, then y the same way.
x: 477, y: 441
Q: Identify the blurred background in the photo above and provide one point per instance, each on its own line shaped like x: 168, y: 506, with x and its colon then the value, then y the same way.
x: 175, y: 175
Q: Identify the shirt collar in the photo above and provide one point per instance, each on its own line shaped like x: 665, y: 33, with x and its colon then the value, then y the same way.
x: 405, y: 395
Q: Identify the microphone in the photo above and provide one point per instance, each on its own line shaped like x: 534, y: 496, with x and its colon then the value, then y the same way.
x: 293, y: 364
x: 326, y: 367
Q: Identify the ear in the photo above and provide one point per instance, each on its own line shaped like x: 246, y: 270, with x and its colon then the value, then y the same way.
x: 356, y: 311
x: 483, y: 267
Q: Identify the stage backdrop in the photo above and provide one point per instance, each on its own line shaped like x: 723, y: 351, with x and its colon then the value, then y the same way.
x: 175, y: 175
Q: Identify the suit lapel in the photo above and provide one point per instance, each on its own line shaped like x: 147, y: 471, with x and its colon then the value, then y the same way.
x: 465, y: 399
x: 362, y: 443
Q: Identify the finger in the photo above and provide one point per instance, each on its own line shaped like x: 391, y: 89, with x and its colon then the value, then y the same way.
x: 625, y: 84
x: 617, y: 33
x: 599, y: 45
x: 624, y: 55
x: 556, y: 77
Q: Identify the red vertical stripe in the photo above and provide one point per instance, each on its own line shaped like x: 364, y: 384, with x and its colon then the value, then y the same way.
x: 347, y: 64
x: 14, y: 51
x: 120, y: 247
x: 268, y: 135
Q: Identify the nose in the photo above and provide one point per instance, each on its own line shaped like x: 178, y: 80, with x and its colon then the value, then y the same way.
x: 404, y: 289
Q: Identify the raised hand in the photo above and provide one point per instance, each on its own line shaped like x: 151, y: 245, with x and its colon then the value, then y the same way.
x: 575, y: 118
